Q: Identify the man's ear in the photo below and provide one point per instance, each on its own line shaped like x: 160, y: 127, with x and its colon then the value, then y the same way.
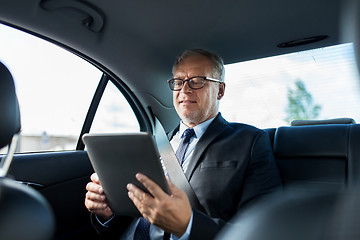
x: 221, y: 90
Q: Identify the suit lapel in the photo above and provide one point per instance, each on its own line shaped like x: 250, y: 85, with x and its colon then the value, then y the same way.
x: 216, y: 128
x: 172, y: 133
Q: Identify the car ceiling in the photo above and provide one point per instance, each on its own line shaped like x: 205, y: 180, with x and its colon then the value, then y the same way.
x: 140, y: 39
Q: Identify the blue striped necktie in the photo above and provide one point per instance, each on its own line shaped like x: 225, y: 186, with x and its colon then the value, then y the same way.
x: 142, y: 231
x: 184, y: 144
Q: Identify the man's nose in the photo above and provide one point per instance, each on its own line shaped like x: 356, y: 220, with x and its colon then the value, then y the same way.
x: 186, y: 87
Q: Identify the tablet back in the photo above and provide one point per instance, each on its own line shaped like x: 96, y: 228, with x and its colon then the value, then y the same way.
x: 116, y: 158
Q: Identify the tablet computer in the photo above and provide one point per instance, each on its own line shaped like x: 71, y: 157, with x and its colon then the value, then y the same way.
x: 116, y: 158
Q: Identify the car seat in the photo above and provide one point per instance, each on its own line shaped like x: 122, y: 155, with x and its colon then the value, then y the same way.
x: 25, y: 213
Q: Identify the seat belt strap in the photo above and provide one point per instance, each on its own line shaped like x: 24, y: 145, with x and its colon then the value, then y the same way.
x: 172, y: 165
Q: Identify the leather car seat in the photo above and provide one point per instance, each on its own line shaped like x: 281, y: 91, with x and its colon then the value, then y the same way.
x: 24, y: 212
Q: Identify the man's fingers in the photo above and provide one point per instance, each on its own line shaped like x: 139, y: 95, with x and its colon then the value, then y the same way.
x: 94, y: 205
x: 93, y: 187
x: 95, y: 178
x: 95, y: 197
x: 146, y: 203
x: 101, y: 209
x: 154, y: 189
x: 141, y: 200
x: 138, y: 196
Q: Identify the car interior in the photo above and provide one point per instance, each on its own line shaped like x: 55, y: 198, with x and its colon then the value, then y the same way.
x: 133, y: 45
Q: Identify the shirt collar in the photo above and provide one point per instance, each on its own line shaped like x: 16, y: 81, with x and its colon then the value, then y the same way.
x: 199, y: 129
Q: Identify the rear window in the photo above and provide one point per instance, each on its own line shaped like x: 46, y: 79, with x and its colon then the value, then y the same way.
x: 316, y: 84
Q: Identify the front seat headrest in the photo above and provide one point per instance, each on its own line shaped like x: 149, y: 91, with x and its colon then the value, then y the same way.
x: 9, y: 107
x: 24, y: 212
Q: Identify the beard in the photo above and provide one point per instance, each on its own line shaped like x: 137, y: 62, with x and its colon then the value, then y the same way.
x: 195, y: 117
x: 192, y: 118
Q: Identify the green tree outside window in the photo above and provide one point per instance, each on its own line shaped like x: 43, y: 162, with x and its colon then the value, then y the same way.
x: 301, y: 104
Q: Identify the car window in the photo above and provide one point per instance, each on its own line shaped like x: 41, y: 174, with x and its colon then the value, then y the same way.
x: 271, y: 92
x: 114, y: 115
x: 55, y: 89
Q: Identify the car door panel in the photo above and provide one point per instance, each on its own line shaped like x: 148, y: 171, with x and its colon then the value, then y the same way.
x: 61, y: 178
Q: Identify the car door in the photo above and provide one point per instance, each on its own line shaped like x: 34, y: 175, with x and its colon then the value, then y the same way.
x: 61, y: 99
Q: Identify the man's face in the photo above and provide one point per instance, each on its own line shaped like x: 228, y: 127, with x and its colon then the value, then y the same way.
x: 196, y: 106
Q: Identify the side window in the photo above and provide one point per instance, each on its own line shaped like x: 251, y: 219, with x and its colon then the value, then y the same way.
x: 55, y: 89
x: 114, y: 114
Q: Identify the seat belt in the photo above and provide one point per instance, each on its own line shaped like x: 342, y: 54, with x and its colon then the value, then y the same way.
x: 172, y: 165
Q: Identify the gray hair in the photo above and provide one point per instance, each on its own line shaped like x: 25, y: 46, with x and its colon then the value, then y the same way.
x: 217, y: 62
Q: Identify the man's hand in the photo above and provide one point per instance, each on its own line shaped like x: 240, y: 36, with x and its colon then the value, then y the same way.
x: 171, y: 213
x: 95, y: 200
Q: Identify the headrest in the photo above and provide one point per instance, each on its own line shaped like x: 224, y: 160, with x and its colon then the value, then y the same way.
x: 325, y: 121
x: 9, y: 107
x: 330, y: 140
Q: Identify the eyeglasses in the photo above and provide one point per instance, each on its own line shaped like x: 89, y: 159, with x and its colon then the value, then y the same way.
x: 197, y: 82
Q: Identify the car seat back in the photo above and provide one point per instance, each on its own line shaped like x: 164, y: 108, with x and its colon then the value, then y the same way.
x: 25, y: 214
x: 318, y: 157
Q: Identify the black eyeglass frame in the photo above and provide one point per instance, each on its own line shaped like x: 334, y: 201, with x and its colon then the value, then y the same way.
x: 171, y: 85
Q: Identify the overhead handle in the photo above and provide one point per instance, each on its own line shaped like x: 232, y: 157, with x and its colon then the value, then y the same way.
x: 94, y: 21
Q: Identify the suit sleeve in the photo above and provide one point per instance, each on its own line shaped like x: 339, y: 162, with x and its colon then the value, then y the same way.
x: 205, y: 227
x: 261, y: 178
x: 114, y: 229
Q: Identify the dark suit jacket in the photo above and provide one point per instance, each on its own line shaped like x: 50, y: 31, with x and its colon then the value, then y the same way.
x: 232, y: 165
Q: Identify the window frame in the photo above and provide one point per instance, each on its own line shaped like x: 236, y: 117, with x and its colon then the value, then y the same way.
x: 143, y: 120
